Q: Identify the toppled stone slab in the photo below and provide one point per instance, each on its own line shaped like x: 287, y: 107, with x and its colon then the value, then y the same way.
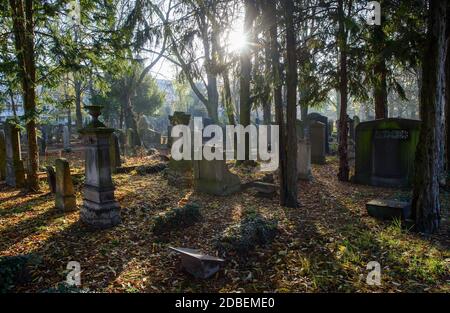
x: 151, y: 169
x: 388, y: 209
x: 264, y: 190
x: 198, y: 264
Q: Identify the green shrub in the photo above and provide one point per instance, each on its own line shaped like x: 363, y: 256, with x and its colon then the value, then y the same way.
x: 243, y: 237
x: 65, y: 288
x: 14, y: 270
x: 150, y: 169
x: 176, y: 218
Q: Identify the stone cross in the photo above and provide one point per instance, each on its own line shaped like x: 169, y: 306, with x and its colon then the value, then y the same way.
x: 15, y: 173
x: 65, y: 193
x: 2, y: 156
x: 66, y: 138
x: 100, y: 209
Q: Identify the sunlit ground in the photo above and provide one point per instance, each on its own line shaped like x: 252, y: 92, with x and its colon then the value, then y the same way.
x: 323, y: 246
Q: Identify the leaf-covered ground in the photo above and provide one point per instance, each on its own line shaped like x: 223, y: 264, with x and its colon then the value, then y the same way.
x: 322, y: 246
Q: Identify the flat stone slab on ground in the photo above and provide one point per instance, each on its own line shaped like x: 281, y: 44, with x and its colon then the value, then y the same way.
x: 198, y: 264
x: 388, y: 209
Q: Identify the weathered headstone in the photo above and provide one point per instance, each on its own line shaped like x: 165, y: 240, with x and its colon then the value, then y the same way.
x: 2, y: 155
x: 317, y: 137
x: 385, y: 152
x: 130, y: 149
x: 100, y: 209
x: 304, y: 159
x: 179, y: 172
x: 43, y: 139
x: 323, y: 119
x: 59, y: 133
x: 15, y: 173
x: 198, y: 264
x: 51, y: 178
x: 65, y: 193
x: 66, y: 138
x: 114, y: 151
x: 213, y: 177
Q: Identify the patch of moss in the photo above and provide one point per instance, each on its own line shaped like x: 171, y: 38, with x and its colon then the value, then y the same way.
x: 14, y: 270
x: 176, y: 218
x: 254, y: 230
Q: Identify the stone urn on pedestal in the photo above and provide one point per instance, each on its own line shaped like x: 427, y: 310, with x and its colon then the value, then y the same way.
x: 100, y: 209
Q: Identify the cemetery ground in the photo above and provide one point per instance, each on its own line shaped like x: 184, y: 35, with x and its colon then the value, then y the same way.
x: 322, y: 246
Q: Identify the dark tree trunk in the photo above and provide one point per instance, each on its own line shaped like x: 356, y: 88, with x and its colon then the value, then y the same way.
x: 79, y: 115
x: 380, y: 72
x: 291, y: 112
x: 246, y: 69
x: 343, y: 174
x: 227, y: 100
x: 130, y: 119
x: 425, y: 206
x: 277, y: 96
x: 447, y: 90
x: 23, y: 25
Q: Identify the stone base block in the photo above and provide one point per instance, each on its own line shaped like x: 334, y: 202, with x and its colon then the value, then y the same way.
x: 65, y: 203
x: 103, y: 215
x: 388, y: 209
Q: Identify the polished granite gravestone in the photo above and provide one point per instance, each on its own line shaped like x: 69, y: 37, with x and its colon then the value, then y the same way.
x: 388, y: 209
x: 2, y: 155
x: 317, y: 139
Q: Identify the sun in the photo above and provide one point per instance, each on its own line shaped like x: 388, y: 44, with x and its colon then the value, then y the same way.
x: 237, y: 40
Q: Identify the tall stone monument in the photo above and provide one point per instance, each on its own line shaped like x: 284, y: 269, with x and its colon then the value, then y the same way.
x: 15, y: 173
x: 65, y: 193
x: 100, y: 209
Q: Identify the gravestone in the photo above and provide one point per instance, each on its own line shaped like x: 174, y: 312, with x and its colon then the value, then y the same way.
x: 43, y: 140
x: 130, y: 149
x: 59, y: 133
x: 198, y: 264
x: 179, y: 172
x: 323, y: 119
x: 385, y: 152
x: 51, y: 178
x: 2, y: 155
x: 15, y: 173
x: 65, y: 193
x: 304, y: 159
x: 213, y: 177
x: 389, y: 209
x: 178, y: 118
x: 114, y: 151
x: 317, y: 138
x: 100, y: 209
x: 66, y: 138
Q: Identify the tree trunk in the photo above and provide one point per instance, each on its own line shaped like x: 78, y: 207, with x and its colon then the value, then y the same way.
x: 227, y: 100
x: 425, y: 206
x: 130, y: 119
x: 23, y: 26
x: 343, y: 174
x: 380, y: 72
x: 246, y: 69
x: 79, y: 115
x: 447, y: 90
x: 291, y: 112
x: 277, y: 95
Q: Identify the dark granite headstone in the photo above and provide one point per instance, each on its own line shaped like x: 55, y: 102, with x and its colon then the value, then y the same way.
x: 198, y: 264
x: 388, y: 209
x: 385, y: 152
x: 323, y: 119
